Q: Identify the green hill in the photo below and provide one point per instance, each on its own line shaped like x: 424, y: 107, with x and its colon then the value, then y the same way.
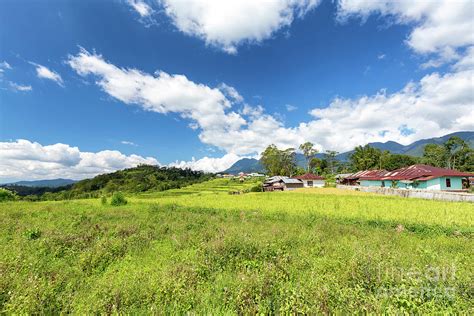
x: 133, y: 180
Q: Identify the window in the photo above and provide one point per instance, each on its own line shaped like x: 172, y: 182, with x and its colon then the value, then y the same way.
x: 310, y: 183
x: 448, y: 183
x: 383, y: 184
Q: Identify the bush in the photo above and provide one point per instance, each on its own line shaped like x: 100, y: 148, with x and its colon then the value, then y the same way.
x: 103, y: 200
x: 256, y: 188
x: 33, y: 234
x: 118, y: 199
x: 7, y: 195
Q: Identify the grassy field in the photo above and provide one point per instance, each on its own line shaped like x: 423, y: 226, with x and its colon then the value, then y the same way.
x: 200, y: 249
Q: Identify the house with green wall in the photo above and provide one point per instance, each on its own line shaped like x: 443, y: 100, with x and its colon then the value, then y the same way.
x: 420, y: 177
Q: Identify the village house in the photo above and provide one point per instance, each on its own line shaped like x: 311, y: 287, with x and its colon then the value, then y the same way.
x: 418, y: 177
x: 281, y: 183
x: 341, y: 176
x: 311, y: 180
x: 256, y: 175
x: 358, y: 177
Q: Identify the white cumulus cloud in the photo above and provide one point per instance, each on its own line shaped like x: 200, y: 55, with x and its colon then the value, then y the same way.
x: 208, y: 164
x: 46, y: 73
x: 227, y: 24
x: 436, y: 105
x: 161, y: 93
x: 23, y: 159
x: 440, y: 26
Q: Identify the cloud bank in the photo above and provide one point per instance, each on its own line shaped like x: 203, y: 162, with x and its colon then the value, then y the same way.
x: 436, y: 105
x: 23, y: 159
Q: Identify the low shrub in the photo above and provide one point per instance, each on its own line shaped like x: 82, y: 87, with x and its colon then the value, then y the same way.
x: 118, y: 199
x: 256, y: 188
x: 7, y: 195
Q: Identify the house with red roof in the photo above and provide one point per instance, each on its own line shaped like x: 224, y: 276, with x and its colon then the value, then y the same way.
x: 419, y: 177
x: 356, y: 178
x: 311, y: 180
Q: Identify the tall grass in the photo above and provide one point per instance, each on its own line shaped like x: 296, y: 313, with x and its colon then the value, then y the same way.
x: 200, y: 250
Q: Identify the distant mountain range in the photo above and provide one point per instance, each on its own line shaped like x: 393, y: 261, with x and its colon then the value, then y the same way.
x: 53, y: 183
x: 414, y: 149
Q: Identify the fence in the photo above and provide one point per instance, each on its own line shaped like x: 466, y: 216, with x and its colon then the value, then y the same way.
x: 423, y: 194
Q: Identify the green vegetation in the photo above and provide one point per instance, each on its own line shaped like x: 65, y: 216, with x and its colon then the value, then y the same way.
x: 455, y: 153
x: 7, y: 195
x: 309, y: 152
x: 134, y: 180
x: 118, y: 199
x: 139, y: 179
x: 201, y: 250
x: 367, y: 158
x: 23, y: 190
x: 279, y: 162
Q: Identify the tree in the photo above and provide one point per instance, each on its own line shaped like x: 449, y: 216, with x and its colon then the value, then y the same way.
x: 397, y: 161
x: 288, y: 162
x: 308, y: 151
x: 270, y: 160
x: 365, y: 157
x: 330, y: 157
x: 434, y: 155
x: 384, y: 156
x: 455, y: 150
x: 455, y: 153
x: 279, y: 162
x: 467, y: 163
x: 315, y: 165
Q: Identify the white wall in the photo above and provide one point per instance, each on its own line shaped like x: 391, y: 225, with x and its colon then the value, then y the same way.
x: 434, y: 184
x: 316, y: 183
x: 423, y: 194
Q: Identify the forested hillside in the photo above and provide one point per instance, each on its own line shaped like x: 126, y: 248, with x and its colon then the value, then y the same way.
x: 133, y: 180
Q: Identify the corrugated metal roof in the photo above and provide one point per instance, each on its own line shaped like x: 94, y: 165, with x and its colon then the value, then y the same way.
x: 290, y: 180
x: 309, y: 176
x: 275, y: 179
x: 420, y: 172
x: 343, y: 175
x: 366, y: 174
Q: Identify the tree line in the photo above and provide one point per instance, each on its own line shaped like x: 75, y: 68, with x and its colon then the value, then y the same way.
x: 455, y: 153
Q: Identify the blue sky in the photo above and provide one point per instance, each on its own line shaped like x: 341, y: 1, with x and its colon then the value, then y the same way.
x: 79, y: 80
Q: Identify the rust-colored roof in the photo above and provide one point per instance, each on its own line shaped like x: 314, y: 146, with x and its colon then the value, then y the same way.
x: 309, y: 176
x: 420, y: 172
x: 366, y: 174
